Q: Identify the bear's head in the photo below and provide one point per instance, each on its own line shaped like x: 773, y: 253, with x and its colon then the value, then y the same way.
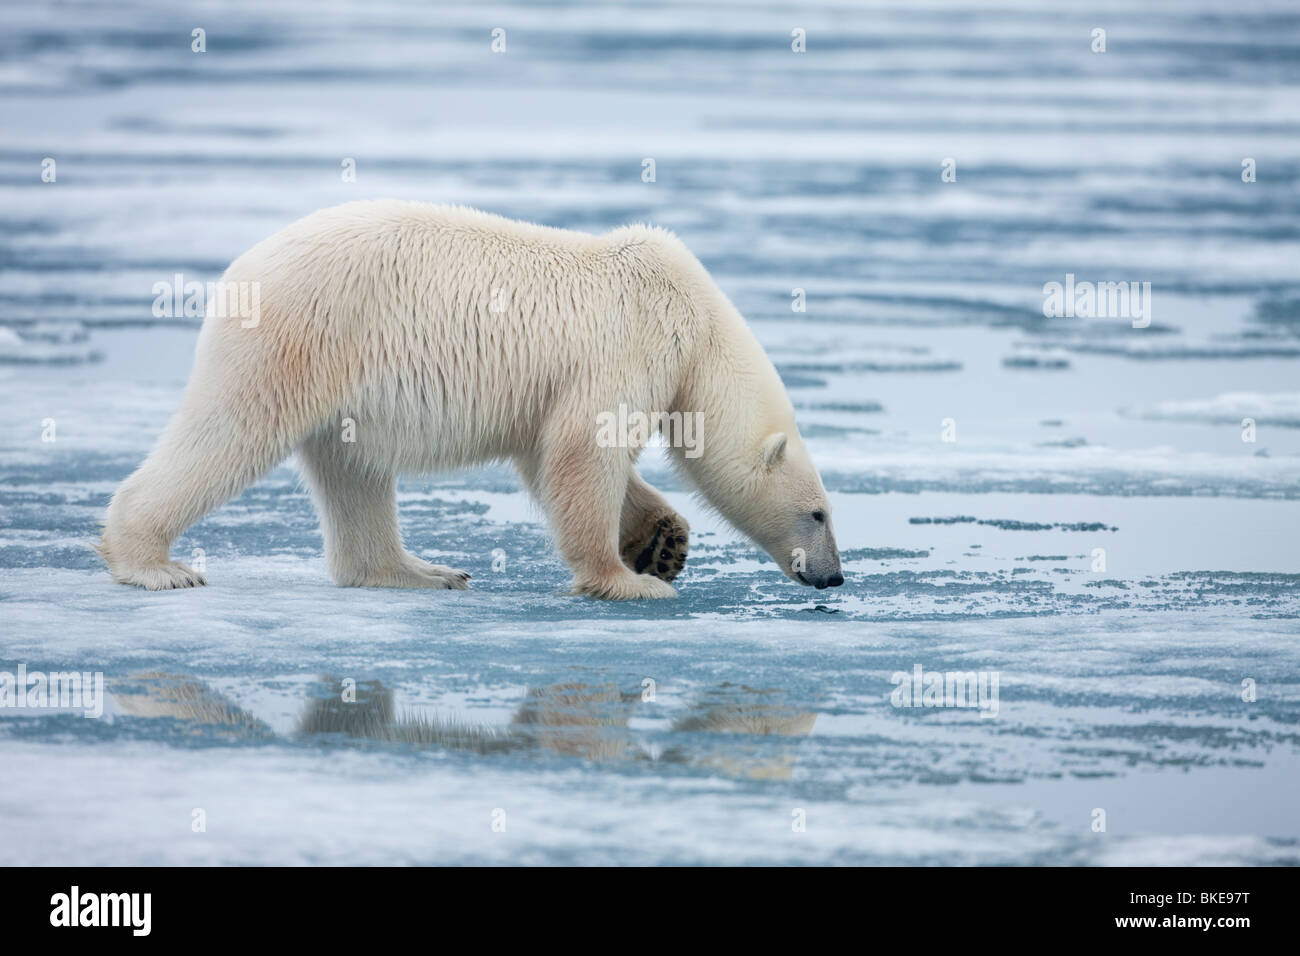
x: 768, y: 488
x: 747, y: 459
x: 787, y: 513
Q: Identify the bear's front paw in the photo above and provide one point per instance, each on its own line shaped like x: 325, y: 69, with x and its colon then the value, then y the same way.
x: 658, y: 546
x: 623, y: 585
x: 408, y: 571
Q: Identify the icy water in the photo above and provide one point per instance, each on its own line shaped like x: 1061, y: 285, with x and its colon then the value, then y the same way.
x: 1098, y: 538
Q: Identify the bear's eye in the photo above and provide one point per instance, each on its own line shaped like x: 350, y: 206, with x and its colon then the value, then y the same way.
x: 819, y: 516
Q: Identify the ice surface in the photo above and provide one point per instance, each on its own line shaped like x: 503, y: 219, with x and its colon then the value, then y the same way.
x: 1098, y: 535
x: 1229, y: 409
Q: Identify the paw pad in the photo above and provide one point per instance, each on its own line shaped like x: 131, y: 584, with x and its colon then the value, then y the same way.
x: 664, y: 553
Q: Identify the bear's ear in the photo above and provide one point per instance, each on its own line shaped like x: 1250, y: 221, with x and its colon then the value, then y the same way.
x: 773, y: 449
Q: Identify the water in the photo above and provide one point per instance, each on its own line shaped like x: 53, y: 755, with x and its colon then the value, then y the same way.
x: 700, y: 730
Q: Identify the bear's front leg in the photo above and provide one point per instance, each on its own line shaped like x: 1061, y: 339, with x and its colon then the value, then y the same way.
x: 653, y: 537
x: 583, y: 489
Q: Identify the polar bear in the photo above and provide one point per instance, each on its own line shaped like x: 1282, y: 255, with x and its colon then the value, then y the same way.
x: 388, y: 337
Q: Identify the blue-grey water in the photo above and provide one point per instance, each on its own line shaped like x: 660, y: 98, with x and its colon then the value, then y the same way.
x: 1102, y: 534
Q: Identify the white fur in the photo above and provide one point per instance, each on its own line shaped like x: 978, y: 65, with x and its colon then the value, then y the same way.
x: 383, y: 313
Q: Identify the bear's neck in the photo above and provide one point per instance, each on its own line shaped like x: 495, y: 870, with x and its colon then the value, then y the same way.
x: 739, y: 396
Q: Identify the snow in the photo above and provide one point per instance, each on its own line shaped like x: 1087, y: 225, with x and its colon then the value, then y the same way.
x: 1124, y: 562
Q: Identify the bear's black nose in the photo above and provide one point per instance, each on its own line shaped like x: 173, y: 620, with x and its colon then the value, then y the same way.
x: 835, y: 580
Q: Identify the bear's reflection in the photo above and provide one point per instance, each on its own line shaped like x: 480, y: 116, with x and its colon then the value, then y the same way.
x: 737, y: 709
x: 576, y: 719
x: 156, y: 694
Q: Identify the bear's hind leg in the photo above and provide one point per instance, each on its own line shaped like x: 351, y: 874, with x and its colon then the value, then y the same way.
x: 357, y: 503
x: 208, y: 453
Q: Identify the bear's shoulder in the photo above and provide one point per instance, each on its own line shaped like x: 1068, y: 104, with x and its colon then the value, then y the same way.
x: 406, y: 213
x: 655, y: 253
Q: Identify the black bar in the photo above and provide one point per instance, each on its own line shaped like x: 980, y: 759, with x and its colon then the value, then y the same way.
x: 941, y: 907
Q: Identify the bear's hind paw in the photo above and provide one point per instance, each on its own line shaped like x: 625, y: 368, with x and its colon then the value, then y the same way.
x: 160, y: 577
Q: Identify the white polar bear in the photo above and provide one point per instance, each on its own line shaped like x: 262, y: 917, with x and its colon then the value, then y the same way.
x: 393, y: 337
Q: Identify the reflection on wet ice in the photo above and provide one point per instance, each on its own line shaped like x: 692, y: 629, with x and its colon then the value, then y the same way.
x: 572, y: 719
